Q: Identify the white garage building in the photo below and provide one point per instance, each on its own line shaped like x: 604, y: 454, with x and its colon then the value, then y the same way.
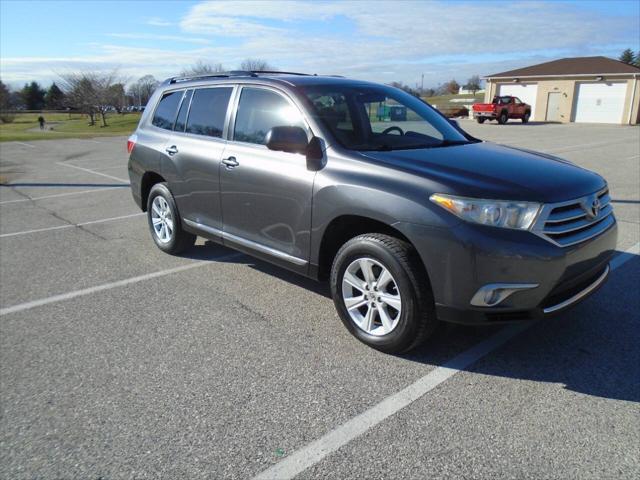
x: 584, y: 89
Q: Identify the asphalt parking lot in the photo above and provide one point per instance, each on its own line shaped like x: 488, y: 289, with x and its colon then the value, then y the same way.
x: 119, y: 361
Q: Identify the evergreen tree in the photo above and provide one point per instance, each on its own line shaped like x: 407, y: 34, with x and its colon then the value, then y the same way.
x: 4, y: 96
x: 637, y: 62
x: 54, y: 99
x: 627, y: 57
x: 33, y: 96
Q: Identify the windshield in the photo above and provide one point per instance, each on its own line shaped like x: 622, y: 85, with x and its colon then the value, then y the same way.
x: 364, y: 117
x: 502, y: 100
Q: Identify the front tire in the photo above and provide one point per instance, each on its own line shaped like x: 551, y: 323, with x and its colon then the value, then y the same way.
x: 164, y: 221
x: 382, y: 293
x: 526, y: 117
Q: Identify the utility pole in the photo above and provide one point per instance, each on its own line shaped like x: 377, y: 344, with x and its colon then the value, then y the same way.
x: 422, y: 84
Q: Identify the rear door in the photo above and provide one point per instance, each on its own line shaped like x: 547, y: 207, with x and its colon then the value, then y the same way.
x: 196, y: 149
x: 266, y: 195
x: 150, y: 154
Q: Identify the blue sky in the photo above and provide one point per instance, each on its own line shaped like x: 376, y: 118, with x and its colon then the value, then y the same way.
x: 373, y: 40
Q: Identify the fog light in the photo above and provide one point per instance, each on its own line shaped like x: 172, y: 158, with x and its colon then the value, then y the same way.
x: 495, y: 293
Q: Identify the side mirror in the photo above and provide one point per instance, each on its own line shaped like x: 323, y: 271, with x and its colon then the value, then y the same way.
x: 287, y: 139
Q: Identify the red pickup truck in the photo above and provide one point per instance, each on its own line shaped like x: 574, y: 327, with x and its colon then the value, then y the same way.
x: 502, y: 109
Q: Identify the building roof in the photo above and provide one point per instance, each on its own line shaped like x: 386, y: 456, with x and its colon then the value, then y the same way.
x: 572, y: 66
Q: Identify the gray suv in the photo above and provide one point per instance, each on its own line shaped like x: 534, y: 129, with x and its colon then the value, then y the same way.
x: 411, y: 219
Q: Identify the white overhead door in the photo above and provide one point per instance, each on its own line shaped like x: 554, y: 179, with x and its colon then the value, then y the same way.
x: 600, y: 102
x: 526, y: 92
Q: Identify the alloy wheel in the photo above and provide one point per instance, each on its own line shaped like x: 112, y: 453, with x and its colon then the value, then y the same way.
x: 162, y: 219
x: 371, y: 296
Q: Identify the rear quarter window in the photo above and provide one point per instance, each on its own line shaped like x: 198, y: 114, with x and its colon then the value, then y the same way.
x: 165, y: 114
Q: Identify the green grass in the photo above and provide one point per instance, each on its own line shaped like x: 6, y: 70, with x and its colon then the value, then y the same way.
x: 445, y: 100
x: 25, y: 126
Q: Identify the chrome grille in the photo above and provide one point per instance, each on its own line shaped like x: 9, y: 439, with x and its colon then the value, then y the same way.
x: 568, y: 223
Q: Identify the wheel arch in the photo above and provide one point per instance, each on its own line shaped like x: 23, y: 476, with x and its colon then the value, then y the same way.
x: 149, y: 179
x: 345, y: 227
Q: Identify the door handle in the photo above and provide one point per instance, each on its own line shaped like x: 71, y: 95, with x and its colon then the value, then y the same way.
x: 230, y: 162
x: 172, y: 150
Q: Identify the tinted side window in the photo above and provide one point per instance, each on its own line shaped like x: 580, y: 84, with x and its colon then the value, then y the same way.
x: 182, y: 113
x: 208, y: 111
x: 259, y: 111
x: 166, y: 112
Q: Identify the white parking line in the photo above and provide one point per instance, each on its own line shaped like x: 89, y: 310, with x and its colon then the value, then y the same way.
x: 314, y: 452
x: 70, y: 225
x: 26, y: 144
x: 108, y: 286
x: 31, y: 199
x: 92, y: 171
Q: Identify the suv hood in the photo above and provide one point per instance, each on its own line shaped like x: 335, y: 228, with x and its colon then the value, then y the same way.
x: 487, y: 170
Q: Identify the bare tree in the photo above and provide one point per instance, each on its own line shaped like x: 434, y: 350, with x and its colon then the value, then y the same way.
x: 116, y: 96
x: 452, y: 87
x: 142, y: 89
x: 255, y: 64
x: 92, y: 92
x: 203, y: 68
x: 473, y: 84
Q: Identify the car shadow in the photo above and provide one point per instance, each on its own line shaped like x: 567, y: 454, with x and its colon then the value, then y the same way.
x: 66, y: 185
x: 591, y: 349
x: 518, y: 123
x: 215, y: 252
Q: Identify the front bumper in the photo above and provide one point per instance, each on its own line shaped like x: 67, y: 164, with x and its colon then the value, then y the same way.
x: 465, y: 258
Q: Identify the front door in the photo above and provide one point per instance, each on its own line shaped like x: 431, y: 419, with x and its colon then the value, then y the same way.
x: 553, y: 107
x: 265, y: 194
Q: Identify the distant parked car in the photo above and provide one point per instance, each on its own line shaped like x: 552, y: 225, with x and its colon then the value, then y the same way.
x: 502, y: 108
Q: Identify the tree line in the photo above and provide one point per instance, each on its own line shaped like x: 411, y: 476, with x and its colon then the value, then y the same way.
x: 452, y: 87
x: 95, y: 94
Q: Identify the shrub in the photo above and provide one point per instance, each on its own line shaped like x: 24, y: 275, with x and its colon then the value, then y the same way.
x: 7, y: 117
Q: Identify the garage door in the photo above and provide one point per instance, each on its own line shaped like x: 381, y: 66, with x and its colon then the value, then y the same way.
x: 527, y: 92
x: 600, y: 102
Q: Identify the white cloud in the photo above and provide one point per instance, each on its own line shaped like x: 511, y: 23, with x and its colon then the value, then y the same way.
x: 153, y: 36
x: 421, y: 28
x: 158, y: 22
x: 378, y: 41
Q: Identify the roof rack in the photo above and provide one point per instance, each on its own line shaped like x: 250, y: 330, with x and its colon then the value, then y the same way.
x: 232, y: 73
x: 198, y: 76
x: 282, y: 73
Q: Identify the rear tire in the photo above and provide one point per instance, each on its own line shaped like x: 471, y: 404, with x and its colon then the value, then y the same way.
x: 480, y: 120
x: 165, y: 223
x: 526, y: 117
x: 503, y: 118
x: 393, y: 311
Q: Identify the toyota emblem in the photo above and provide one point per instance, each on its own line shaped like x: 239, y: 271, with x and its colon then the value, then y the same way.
x: 592, y: 208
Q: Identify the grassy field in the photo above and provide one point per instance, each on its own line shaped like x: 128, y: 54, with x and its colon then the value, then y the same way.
x: 445, y: 100
x: 63, y: 125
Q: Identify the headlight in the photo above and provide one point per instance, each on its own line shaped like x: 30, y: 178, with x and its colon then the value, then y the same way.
x: 496, y: 213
